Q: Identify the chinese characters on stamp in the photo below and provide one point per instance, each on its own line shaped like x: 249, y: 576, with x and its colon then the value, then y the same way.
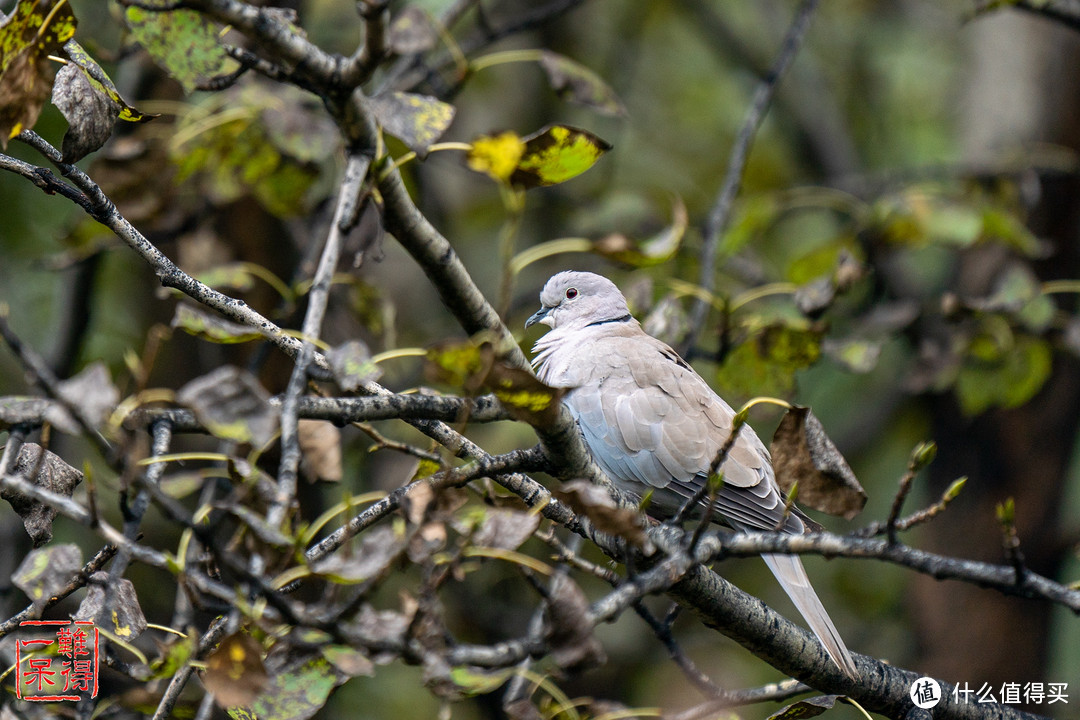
x: 61, y: 663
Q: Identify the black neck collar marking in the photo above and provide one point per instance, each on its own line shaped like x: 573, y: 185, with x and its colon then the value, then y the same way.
x: 625, y: 318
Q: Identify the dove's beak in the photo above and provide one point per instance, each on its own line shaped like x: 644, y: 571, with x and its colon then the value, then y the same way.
x: 538, y: 317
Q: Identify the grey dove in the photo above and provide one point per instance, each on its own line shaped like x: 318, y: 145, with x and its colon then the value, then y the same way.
x: 652, y: 423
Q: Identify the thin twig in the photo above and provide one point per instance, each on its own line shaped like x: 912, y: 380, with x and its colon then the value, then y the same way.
x: 43, y: 376
x: 33, y: 612
x: 318, y: 297
x: 133, y: 513
x: 720, y: 215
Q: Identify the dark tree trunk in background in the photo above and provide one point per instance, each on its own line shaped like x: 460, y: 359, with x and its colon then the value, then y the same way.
x: 966, y: 634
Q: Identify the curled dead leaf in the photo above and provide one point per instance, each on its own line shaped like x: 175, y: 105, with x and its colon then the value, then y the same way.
x: 597, y: 504
x: 803, y: 453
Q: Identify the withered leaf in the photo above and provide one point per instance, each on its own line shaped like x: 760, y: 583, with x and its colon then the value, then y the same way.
x: 417, y: 120
x: 92, y: 392
x: 425, y: 542
x: 45, y: 571
x: 320, y: 443
x: 578, y: 84
x: 351, y: 365
x: 415, y: 502
x: 815, y: 297
x: 522, y: 709
x: 348, y: 660
x: 378, y: 547
x: 235, y: 674
x: 48, y: 472
x: 810, y: 707
x: 412, y: 31
x: 232, y: 405
x: 802, y: 453
x: 103, y: 84
x: 597, y: 504
x: 212, y: 328
x: 33, y: 31
x: 298, y: 691
x: 381, y: 626
x: 474, y: 367
x: 112, y: 604
x: 567, y: 626
x: 506, y: 529
x: 525, y: 398
x: 90, y: 114
x: 656, y: 250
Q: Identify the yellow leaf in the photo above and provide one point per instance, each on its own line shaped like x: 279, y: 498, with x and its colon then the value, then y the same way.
x: 496, y: 155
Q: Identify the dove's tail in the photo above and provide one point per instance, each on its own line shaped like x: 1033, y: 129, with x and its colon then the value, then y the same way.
x: 789, y: 570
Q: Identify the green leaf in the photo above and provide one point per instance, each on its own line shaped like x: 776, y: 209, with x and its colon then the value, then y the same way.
x: 473, y: 366
x: 766, y: 363
x: 236, y: 276
x: 953, y: 224
x: 752, y: 217
x: 458, y: 364
x: 556, y: 154
x: 553, y: 155
x: 35, y: 30
x: 472, y: 682
x: 1004, y: 379
x: 745, y: 373
x: 247, y: 141
x: 789, y: 345
x: 417, y: 120
x: 578, y: 84
x: 854, y: 354
x: 101, y: 81
x: 1007, y: 228
x: 183, y: 42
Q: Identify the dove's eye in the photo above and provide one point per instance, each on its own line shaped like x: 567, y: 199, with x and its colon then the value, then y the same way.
x: 571, y: 293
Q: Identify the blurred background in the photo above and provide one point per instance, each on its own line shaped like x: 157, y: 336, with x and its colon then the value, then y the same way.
x: 928, y: 146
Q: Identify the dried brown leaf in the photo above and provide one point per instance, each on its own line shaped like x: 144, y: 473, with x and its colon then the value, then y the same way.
x: 597, y: 504
x: 44, y: 571
x: 506, y: 529
x: 235, y: 674
x: 320, y: 444
x: 810, y: 707
x: 232, y: 405
x: 49, y: 472
x: 568, y: 628
x: 90, y: 114
x: 113, y: 605
x: 378, y: 548
x: 803, y: 453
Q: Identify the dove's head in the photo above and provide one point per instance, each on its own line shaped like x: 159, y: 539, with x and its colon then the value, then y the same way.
x: 578, y: 299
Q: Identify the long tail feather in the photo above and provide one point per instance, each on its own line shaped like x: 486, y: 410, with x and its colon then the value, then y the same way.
x: 789, y: 570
